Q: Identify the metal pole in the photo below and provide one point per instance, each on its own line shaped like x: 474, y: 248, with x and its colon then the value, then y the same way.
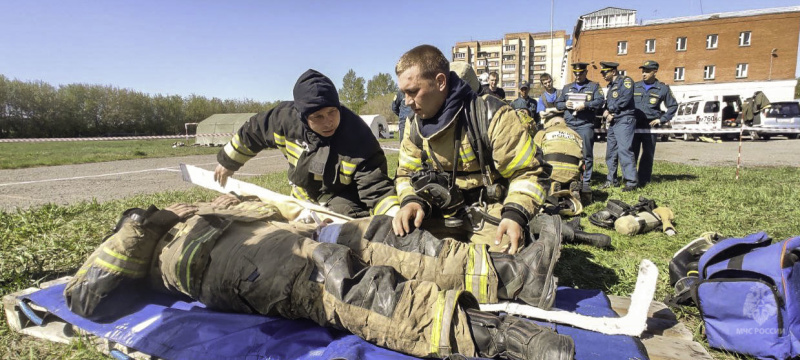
x: 552, y: 53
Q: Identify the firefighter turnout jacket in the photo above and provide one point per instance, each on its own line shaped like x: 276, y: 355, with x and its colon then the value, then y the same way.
x: 563, y: 150
x: 348, y: 164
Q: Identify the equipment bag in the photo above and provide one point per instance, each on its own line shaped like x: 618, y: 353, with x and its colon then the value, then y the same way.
x: 748, y: 295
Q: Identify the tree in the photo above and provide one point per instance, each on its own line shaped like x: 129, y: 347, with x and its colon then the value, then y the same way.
x: 380, y: 84
x: 352, y: 94
x: 797, y: 89
x: 381, y: 105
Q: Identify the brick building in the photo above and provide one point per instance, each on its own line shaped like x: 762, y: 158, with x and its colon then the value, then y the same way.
x: 743, y: 50
x: 517, y: 57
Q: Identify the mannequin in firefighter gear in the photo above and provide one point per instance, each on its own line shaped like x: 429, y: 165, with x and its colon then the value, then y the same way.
x: 461, y: 152
x: 562, y: 148
x: 334, y: 160
x: 416, y: 294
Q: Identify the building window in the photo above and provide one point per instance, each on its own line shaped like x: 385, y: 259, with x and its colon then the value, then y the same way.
x: 509, y: 57
x: 460, y: 55
x: 509, y: 84
x: 539, y: 58
x: 650, y: 46
x: 711, y: 41
x: 511, y: 93
x: 510, y: 48
x: 510, y: 67
x: 540, y: 48
x: 680, y: 44
x: 622, y: 47
x: 493, y: 63
x: 679, y: 73
x: 744, y: 38
x: 508, y: 76
x: 623, y: 72
x: 709, y: 72
x: 741, y: 71
x: 480, y: 63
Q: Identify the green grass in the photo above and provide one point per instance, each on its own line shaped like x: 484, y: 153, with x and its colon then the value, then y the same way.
x: 52, y: 241
x: 25, y: 155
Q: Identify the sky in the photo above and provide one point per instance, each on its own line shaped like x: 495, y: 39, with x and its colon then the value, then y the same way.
x: 256, y: 49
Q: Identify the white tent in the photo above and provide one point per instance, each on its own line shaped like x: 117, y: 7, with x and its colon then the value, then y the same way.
x: 378, y: 125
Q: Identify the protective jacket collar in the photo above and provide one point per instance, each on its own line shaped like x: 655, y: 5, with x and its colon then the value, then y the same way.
x: 458, y: 94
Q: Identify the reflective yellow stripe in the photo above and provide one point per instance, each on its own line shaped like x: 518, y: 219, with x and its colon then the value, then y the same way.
x: 113, y: 267
x: 409, y: 162
x: 402, y: 186
x: 348, y: 168
x: 122, y: 257
x: 477, y: 275
x: 385, y: 204
x: 280, y: 140
x: 300, y: 193
x: 294, y: 149
x: 235, y: 155
x: 529, y: 188
x: 469, y: 155
x: 436, y: 329
x: 522, y: 159
x: 237, y: 144
x: 564, y: 166
x: 484, y: 276
x: 470, y: 269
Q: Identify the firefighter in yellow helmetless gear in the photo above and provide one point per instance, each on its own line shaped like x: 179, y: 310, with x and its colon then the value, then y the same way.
x: 467, y: 167
x: 416, y: 294
x: 563, y: 150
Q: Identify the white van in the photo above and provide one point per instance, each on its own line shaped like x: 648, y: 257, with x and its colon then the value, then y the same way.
x: 709, y: 116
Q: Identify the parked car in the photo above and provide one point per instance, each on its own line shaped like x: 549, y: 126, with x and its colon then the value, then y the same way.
x: 708, y: 116
x: 779, y: 115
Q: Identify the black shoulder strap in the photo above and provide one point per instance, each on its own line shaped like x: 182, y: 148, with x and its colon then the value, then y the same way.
x: 479, y: 114
x: 416, y: 138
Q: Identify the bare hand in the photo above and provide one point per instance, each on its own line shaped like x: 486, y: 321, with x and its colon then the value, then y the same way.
x: 223, y: 201
x: 401, y: 221
x: 655, y: 123
x: 514, y: 232
x: 183, y: 211
x: 580, y: 106
x: 221, y: 174
x: 605, y: 114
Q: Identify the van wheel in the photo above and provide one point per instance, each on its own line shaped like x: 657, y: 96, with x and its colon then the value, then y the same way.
x: 730, y: 137
x: 664, y: 138
x: 793, y: 136
x: 687, y: 137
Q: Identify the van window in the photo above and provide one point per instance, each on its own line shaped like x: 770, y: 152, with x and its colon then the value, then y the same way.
x: 691, y: 108
x: 681, y: 109
x: 711, y: 107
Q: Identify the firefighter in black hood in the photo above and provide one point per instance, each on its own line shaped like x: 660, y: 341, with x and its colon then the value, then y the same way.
x: 334, y: 159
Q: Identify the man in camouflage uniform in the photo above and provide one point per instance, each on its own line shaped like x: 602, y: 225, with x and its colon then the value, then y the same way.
x: 439, y: 143
x: 334, y: 160
x: 416, y: 294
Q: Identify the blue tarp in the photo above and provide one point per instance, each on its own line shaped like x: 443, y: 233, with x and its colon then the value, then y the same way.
x: 170, y: 328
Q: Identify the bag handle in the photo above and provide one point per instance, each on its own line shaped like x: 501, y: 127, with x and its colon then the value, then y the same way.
x: 730, y: 248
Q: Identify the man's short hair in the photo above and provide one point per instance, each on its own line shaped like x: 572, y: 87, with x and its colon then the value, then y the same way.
x: 493, y: 73
x: 430, y: 60
x: 545, y: 76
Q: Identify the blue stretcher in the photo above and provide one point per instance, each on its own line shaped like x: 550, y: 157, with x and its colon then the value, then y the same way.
x: 170, y: 328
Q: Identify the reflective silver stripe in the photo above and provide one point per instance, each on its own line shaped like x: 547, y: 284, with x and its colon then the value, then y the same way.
x: 237, y: 144
x: 385, y: 204
x: 280, y: 140
x: 563, y: 166
x: 235, y: 155
x: 522, y: 159
x: 478, y: 271
x: 529, y: 188
x: 294, y: 149
x: 348, y: 168
x: 409, y: 162
x: 469, y: 155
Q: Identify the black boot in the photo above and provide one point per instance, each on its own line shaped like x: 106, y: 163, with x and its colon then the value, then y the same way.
x: 571, y: 231
x: 514, y: 338
x: 528, y: 275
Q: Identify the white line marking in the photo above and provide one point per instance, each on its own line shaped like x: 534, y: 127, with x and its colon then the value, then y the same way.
x: 169, y: 169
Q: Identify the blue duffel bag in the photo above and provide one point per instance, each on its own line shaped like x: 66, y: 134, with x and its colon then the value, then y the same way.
x: 748, y: 293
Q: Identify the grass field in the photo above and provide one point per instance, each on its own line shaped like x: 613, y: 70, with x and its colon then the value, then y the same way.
x: 52, y: 241
x: 25, y: 155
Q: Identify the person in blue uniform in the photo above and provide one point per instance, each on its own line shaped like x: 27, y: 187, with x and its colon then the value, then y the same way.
x: 648, y: 95
x: 580, y: 100
x: 619, y: 115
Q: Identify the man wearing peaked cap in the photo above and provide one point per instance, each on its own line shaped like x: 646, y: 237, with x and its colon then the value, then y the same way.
x: 334, y: 160
x: 619, y: 116
x: 525, y: 102
x: 580, y: 100
x: 648, y: 95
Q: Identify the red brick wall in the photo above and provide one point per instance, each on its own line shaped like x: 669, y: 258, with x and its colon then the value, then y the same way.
x: 768, y: 31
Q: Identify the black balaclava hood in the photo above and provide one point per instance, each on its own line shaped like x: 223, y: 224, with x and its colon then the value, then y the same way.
x: 312, y: 92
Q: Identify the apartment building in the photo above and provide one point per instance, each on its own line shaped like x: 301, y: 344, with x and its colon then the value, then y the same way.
x: 517, y: 57
x: 738, y: 52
